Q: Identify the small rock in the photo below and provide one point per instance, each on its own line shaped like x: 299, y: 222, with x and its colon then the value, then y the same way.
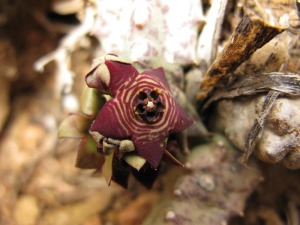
x: 27, y: 210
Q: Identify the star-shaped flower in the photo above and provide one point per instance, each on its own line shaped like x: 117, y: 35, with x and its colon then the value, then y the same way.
x: 142, y: 108
x: 129, y: 133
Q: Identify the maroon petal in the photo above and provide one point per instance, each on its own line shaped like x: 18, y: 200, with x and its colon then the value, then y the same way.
x: 160, y: 75
x: 146, y: 175
x: 183, y: 120
x: 119, y: 74
x: 110, y: 121
x: 151, y: 150
x: 120, y: 173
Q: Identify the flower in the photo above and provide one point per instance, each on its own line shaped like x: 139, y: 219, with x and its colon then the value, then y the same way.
x: 142, y: 108
x: 128, y: 133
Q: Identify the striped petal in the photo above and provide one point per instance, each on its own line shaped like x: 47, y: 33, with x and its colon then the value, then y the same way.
x: 183, y: 121
x: 119, y: 73
x: 110, y: 121
x: 160, y: 75
x: 151, y: 150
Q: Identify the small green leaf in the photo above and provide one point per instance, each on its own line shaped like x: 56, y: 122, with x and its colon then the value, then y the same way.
x: 135, y: 161
x: 88, y: 157
x: 75, y: 126
x: 107, y: 169
x: 68, y: 128
x: 91, y: 102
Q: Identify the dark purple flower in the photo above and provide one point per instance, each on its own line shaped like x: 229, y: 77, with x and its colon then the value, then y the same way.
x: 129, y: 133
x: 142, y: 108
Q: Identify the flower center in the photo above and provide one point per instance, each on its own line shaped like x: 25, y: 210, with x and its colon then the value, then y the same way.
x: 149, y: 106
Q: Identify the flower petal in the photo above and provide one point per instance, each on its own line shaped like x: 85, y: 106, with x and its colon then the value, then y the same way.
x: 146, y: 176
x: 119, y: 74
x: 151, y: 150
x: 120, y: 173
x: 160, y: 75
x: 183, y: 119
x: 109, y: 121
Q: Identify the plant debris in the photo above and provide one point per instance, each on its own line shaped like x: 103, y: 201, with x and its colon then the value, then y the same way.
x: 251, y: 34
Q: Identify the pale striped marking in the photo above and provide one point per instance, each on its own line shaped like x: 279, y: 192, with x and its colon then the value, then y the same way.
x: 131, y: 124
